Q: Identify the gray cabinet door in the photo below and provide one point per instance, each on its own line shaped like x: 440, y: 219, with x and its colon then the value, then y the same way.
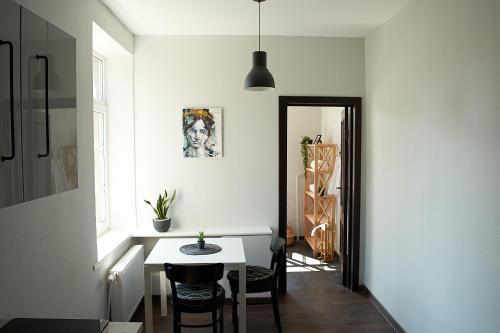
x: 62, y: 107
x: 48, y: 66
x: 11, y: 179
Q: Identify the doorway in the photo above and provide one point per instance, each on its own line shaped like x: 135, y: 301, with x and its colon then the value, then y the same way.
x: 348, y: 196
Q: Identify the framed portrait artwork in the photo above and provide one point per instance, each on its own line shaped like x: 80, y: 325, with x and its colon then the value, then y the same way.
x: 202, y: 129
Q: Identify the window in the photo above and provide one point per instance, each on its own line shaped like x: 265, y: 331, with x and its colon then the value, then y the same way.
x: 100, y: 145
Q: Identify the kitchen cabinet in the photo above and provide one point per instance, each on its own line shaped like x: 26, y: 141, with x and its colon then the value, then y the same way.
x: 44, y: 113
x: 11, y: 176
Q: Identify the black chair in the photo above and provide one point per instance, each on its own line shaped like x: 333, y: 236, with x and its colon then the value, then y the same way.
x: 261, y: 279
x: 195, y: 290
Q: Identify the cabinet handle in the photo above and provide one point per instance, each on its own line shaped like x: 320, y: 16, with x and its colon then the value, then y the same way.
x: 47, y: 133
x: 11, y: 78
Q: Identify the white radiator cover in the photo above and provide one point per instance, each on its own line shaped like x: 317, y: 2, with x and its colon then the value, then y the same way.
x: 128, y: 288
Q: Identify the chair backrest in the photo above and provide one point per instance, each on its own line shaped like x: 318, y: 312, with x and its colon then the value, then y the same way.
x: 278, y: 249
x: 193, y: 275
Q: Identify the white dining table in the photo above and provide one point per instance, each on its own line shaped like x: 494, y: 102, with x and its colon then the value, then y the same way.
x: 167, y: 250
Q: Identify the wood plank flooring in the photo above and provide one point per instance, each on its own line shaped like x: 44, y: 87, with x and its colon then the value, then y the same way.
x: 315, y: 302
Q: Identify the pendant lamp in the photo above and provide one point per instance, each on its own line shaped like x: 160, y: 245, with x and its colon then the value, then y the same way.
x: 259, y: 78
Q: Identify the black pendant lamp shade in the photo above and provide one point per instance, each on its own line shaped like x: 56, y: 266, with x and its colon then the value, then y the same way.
x: 259, y: 78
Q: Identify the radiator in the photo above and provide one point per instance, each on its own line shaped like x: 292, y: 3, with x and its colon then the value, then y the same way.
x: 127, y: 289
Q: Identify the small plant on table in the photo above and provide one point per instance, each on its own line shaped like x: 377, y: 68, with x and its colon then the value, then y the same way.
x: 201, y: 239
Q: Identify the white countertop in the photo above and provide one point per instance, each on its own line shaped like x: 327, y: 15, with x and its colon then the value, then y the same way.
x: 118, y: 327
x: 209, y: 232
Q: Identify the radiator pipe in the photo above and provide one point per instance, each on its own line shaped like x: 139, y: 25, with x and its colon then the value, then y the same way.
x: 111, y: 279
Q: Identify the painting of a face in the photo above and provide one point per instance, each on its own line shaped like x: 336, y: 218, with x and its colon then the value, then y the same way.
x: 197, y: 135
x: 202, y: 132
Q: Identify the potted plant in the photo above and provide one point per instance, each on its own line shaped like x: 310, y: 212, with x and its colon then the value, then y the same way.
x: 201, y: 240
x: 162, y: 223
x: 303, y: 149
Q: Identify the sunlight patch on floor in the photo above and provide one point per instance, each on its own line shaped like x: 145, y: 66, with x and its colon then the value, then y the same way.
x: 301, y: 269
x: 328, y: 269
x: 305, y: 259
x: 298, y: 263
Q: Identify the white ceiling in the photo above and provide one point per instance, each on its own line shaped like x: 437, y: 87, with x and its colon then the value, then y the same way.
x: 346, y: 18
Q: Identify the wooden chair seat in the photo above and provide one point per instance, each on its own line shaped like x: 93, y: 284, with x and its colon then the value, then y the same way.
x: 199, y: 294
x: 195, y: 290
x: 259, y: 279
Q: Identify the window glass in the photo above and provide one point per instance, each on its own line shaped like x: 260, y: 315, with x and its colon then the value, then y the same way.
x: 100, y: 146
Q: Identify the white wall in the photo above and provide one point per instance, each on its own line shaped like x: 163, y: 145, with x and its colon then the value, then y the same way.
x: 331, y: 120
x: 48, y: 246
x: 331, y: 130
x: 432, y: 159
x: 242, y: 187
x: 302, y: 121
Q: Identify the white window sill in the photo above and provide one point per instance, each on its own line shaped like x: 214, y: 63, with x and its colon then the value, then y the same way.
x: 109, y: 242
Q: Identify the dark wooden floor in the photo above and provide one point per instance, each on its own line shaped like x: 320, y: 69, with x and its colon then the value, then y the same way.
x: 315, y: 302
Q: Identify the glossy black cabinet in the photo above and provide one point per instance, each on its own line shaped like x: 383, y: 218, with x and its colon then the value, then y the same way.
x: 45, y: 118
x: 11, y: 173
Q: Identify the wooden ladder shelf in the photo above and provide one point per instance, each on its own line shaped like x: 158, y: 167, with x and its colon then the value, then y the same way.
x: 319, y: 206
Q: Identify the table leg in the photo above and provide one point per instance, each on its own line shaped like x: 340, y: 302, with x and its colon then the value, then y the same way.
x: 242, y: 298
x: 148, y: 304
x: 163, y: 293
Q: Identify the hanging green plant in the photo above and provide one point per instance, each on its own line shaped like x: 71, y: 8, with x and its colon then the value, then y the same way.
x: 303, y: 150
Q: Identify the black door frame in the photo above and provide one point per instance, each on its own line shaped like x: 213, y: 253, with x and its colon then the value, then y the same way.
x: 353, y: 106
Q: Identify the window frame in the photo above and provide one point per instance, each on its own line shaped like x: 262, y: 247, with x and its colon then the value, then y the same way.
x: 100, y: 106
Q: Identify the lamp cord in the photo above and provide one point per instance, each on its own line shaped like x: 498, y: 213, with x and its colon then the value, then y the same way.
x: 259, y: 25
